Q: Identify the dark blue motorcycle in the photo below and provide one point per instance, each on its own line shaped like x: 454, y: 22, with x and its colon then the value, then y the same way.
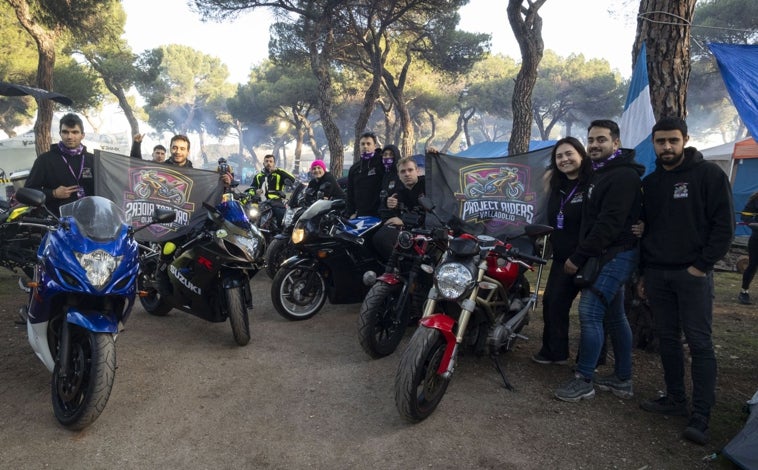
x: 333, y: 253
x: 82, y: 293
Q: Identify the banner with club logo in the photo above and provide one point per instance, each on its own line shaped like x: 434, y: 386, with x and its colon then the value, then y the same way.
x: 140, y: 187
x: 496, y: 196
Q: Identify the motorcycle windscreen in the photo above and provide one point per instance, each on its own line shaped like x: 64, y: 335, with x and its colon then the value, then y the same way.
x: 96, y: 217
x: 317, y: 208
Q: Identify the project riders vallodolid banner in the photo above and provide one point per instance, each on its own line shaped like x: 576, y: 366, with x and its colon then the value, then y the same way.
x: 500, y: 195
x: 140, y: 187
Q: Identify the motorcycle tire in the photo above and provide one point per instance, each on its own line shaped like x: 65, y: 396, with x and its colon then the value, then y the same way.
x: 378, y: 331
x: 80, y: 398
x: 276, y: 253
x: 152, y: 302
x: 288, y: 298
x: 418, y: 386
x: 238, y: 315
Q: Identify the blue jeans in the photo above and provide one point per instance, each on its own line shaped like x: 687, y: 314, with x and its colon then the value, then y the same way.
x: 592, y: 311
x: 680, y: 303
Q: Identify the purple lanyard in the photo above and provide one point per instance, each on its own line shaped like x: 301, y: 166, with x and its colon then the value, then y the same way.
x: 81, y: 168
x: 559, y: 219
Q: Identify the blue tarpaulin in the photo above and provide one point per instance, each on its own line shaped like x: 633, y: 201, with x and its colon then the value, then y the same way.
x: 738, y: 64
x: 499, y: 149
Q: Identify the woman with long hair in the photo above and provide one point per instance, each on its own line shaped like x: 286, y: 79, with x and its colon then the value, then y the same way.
x: 567, y: 178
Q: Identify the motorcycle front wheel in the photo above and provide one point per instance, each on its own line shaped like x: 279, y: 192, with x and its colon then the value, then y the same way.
x: 278, y: 250
x: 238, y: 315
x: 297, y: 293
x: 418, y: 387
x: 80, y: 396
x: 152, y: 302
x: 379, y: 329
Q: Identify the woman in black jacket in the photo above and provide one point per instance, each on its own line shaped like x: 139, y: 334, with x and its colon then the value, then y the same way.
x: 568, y: 174
x: 323, y: 185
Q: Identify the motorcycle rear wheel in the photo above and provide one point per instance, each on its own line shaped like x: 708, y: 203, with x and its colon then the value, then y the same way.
x: 79, y: 398
x: 238, y: 315
x: 278, y: 250
x: 288, y: 297
x: 378, y: 332
x: 418, y: 387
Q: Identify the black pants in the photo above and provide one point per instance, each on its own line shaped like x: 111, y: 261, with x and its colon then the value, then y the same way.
x: 684, y: 303
x: 560, y: 293
x: 752, y: 265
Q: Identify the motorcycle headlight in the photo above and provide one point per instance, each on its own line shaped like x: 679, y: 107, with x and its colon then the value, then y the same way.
x: 250, y: 244
x: 298, y: 235
x: 99, y: 266
x: 453, y: 280
x: 252, y: 211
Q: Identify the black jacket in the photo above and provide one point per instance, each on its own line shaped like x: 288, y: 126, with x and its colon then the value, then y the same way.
x: 328, y: 186
x: 612, y: 205
x: 364, y: 183
x: 170, y: 161
x: 564, y: 241
x: 52, y: 169
x: 688, y: 214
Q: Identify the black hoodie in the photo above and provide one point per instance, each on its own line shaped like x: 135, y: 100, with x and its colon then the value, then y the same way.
x: 612, y: 204
x: 364, y: 182
x: 688, y: 214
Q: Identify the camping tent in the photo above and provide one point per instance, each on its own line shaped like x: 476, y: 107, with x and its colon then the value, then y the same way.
x: 745, y: 176
x: 499, y: 149
x: 742, y: 449
x: 721, y: 155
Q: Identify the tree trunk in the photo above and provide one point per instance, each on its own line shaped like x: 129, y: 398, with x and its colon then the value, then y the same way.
x: 663, y: 25
x: 320, y: 66
x: 528, y: 32
x: 45, y: 40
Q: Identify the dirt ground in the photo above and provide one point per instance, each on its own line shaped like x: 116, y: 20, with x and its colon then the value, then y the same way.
x: 304, y: 395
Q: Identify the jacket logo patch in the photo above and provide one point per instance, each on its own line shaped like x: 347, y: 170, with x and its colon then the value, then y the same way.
x: 681, y: 191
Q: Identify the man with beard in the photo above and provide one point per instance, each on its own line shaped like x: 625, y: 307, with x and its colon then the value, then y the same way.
x: 65, y: 173
x: 689, y: 225
x: 612, y: 205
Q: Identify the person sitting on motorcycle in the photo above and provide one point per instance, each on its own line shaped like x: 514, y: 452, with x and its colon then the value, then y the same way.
x: 401, y: 207
x: 323, y: 185
x: 272, y: 181
x: 404, y: 201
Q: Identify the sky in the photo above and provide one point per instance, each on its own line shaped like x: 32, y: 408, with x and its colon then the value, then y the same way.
x: 243, y: 43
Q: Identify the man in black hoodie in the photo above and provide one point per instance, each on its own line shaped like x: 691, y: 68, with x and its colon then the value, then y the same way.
x: 612, y: 206
x: 689, y: 225
x: 364, y: 180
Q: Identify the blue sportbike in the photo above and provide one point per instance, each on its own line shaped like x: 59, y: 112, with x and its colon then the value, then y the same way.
x: 82, y: 293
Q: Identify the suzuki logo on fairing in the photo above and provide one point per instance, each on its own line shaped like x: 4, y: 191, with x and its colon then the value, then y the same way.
x: 185, y: 282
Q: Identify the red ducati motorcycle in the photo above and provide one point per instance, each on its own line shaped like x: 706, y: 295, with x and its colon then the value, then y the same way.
x: 481, y: 300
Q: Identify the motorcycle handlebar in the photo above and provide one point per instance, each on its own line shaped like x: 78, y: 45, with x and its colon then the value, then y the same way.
x: 515, y: 252
x: 38, y: 221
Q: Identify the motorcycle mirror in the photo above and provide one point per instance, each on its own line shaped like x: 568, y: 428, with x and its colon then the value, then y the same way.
x: 160, y: 216
x: 30, y: 197
x: 163, y: 216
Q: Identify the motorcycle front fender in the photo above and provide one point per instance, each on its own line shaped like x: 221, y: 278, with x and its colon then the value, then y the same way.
x: 233, y: 279
x: 445, y: 325
x: 300, y: 262
x: 96, y: 322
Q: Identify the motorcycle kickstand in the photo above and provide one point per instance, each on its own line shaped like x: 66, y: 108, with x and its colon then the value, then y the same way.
x: 506, y: 383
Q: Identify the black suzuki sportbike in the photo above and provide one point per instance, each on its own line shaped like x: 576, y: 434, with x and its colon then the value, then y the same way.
x: 333, y: 254
x: 209, y: 274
